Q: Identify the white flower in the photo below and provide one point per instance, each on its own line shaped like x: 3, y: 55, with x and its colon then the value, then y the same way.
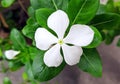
x: 10, y: 54
x: 104, y: 2
x: 78, y: 36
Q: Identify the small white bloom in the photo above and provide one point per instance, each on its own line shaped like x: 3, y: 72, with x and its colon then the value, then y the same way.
x: 10, y: 54
x: 104, y: 2
x: 78, y: 36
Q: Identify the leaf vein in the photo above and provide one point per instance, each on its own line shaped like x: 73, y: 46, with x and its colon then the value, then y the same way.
x: 89, y: 62
x: 102, y: 22
x: 79, y: 11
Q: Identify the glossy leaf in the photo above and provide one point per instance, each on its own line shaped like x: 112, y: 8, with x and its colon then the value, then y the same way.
x: 7, y: 3
x: 101, y: 9
x: 28, y: 70
x: 53, y: 4
x: 110, y: 6
x: 1, y: 53
x: 42, y: 16
x: 90, y: 62
x: 18, y: 40
x: 6, y: 80
x: 15, y: 65
x: 41, y: 71
x: 82, y: 11
x: 30, y: 28
x: 106, y: 21
x: 31, y: 11
x: 33, y: 51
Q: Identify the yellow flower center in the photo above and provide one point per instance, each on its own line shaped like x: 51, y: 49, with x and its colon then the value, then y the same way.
x: 60, y: 41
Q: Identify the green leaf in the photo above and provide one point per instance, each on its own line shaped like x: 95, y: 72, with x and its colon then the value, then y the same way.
x: 41, y: 71
x: 1, y: 53
x: 6, y: 80
x: 110, y: 6
x: 106, y: 21
x: 7, y: 3
x: 42, y: 16
x: 31, y: 11
x: 28, y: 70
x: 53, y: 4
x: 35, y: 3
x: 24, y: 76
x: 90, y: 62
x: 97, y: 39
x: 18, y: 40
x: 82, y: 11
x: 32, y: 52
x: 110, y: 35
x: 30, y: 28
x: 101, y: 9
x: 15, y: 65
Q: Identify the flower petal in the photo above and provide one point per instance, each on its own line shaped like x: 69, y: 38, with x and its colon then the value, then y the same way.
x: 44, y: 39
x: 80, y: 35
x: 58, y: 21
x: 72, y: 54
x: 52, y: 57
x: 10, y: 54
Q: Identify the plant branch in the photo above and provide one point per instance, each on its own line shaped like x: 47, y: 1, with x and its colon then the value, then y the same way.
x: 22, y: 6
x: 3, y: 21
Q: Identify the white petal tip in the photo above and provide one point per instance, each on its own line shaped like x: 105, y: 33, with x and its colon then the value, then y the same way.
x: 80, y: 35
x: 58, y: 21
x: 72, y: 54
x: 10, y: 54
x: 52, y: 57
x: 55, y: 63
x: 72, y: 64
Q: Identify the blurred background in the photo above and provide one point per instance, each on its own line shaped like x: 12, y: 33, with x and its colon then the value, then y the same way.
x: 110, y: 55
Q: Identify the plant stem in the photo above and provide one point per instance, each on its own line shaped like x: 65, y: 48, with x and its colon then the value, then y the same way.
x: 3, y: 21
x: 22, y: 6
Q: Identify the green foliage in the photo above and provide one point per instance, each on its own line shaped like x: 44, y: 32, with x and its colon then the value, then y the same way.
x: 15, y: 64
x: 1, y: 52
x: 42, y: 16
x: 18, y: 40
x: 106, y: 21
x: 28, y: 70
x: 90, y: 62
x: 82, y: 11
x: 31, y: 11
x: 7, y: 81
x: 30, y: 28
x: 101, y: 9
x: 7, y: 3
x: 54, y: 4
x: 110, y: 6
x: 41, y: 71
x: 25, y: 76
